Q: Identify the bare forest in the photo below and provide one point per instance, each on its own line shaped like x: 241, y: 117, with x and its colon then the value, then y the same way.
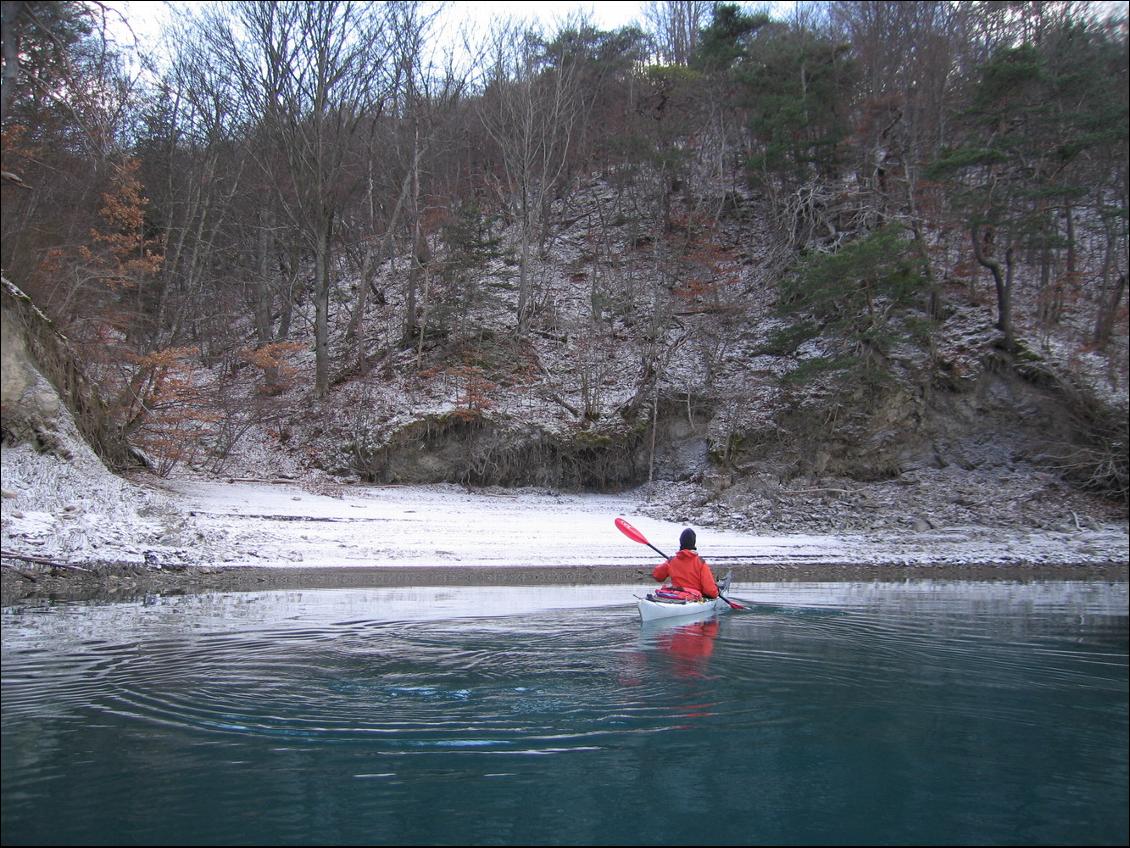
x: 861, y: 244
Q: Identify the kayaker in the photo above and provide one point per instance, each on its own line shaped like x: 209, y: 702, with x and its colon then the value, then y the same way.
x: 687, y: 569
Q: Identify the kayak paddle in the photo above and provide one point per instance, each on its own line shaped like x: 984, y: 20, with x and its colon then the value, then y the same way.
x: 636, y: 536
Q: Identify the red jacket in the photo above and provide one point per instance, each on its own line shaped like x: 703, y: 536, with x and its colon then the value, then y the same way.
x: 687, y: 569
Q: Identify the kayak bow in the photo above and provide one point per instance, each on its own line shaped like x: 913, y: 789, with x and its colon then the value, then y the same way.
x: 653, y: 608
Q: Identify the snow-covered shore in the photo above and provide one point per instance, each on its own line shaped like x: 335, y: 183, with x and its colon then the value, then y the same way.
x: 75, y: 512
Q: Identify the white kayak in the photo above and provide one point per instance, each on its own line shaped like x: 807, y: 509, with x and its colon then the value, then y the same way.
x: 653, y: 608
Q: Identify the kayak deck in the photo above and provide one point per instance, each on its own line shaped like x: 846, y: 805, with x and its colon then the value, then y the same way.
x: 652, y: 608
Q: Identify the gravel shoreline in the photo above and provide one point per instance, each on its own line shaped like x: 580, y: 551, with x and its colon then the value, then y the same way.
x: 26, y: 582
x: 77, y: 533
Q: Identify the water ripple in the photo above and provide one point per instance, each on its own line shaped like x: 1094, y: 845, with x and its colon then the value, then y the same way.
x: 569, y: 709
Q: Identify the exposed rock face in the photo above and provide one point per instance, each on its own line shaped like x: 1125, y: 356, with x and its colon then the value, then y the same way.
x: 59, y: 496
x: 995, y: 419
x: 46, y: 396
x: 32, y: 410
x: 480, y: 450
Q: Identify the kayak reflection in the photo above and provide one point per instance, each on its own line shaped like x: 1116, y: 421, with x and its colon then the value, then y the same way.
x: 693, y: 641
x: 689, y: 645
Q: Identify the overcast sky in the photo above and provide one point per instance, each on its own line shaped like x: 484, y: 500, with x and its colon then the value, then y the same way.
x: 146, y: 17
x: 609, y: 14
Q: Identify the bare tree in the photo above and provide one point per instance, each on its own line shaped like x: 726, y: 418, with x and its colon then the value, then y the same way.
x: 531, y: 109
x: 196, y: 174
x: 675, y: 26
x: 905, y: 54
x: 314, y: 75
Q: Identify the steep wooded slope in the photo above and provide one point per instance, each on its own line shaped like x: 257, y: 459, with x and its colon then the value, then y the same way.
x: 708, y: 383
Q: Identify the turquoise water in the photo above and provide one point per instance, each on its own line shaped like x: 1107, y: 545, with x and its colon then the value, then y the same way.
x: 893, y: 713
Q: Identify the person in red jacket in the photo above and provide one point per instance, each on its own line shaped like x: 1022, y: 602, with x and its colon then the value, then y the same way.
x: 687, y: 569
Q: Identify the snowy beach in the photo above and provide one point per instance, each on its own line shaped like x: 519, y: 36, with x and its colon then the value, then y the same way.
x: 59, y: 517
x: 281, y: 524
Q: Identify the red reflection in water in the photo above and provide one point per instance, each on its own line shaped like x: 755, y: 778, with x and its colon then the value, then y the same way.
x: 690, y: 641
x: 690, y: 646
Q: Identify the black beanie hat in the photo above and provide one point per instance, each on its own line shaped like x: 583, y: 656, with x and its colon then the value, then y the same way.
x: 687, y: 540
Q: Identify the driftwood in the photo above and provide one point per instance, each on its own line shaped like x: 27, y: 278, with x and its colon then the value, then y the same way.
x: 40, y: 561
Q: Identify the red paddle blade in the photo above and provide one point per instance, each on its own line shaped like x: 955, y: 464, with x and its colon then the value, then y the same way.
x: 630, y: 531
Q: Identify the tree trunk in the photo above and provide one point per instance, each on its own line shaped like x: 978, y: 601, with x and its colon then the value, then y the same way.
x: 418, y: 246
x: 289, y: 268
x: 1105, y: 323
x: 375, y: 258
x: 1072, y: 262
x: 322, y: 285
x: 13, y: 28
x: 264, y: 300
x: 524, y: 277
x: 934, y: 294
x: 1002, y: 280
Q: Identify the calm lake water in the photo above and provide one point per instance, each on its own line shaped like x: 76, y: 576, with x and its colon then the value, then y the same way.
x: 868, y: 713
